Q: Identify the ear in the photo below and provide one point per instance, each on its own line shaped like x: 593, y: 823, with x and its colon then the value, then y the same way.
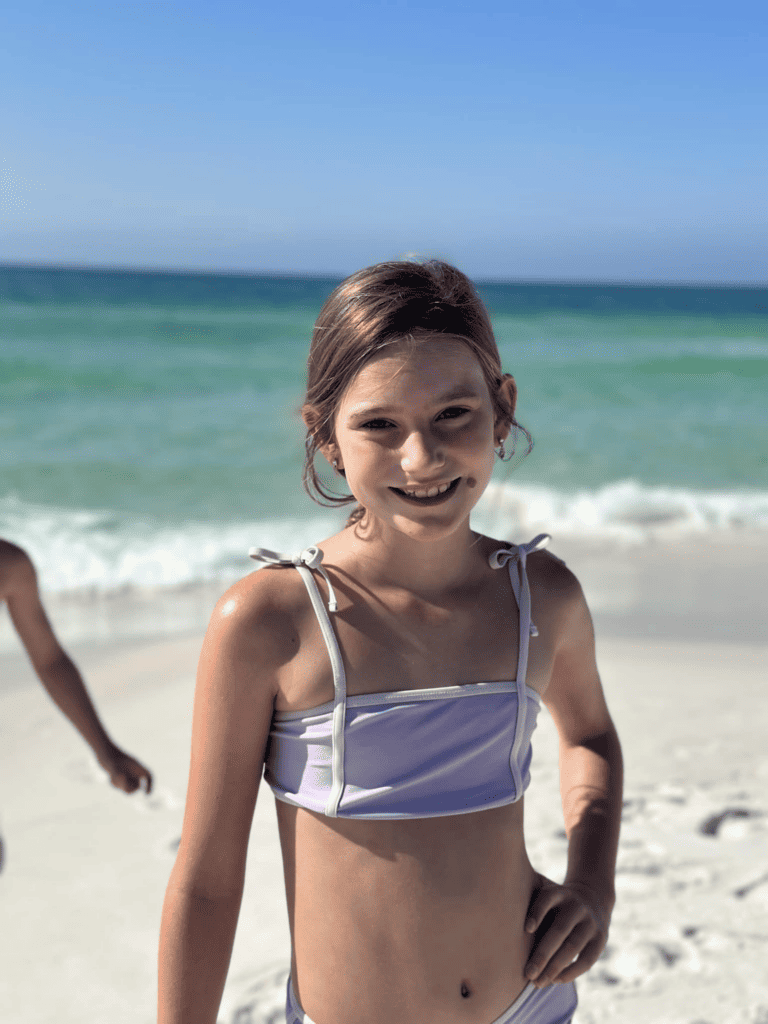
x: 331, y: 454
x: 329, y: 451
x: 311, y: 417
x: 508, y: 396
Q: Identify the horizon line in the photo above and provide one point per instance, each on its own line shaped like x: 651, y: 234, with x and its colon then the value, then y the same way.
x: 338, y: 276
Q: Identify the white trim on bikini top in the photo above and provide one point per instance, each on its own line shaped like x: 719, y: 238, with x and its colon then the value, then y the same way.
x: 311, y: 558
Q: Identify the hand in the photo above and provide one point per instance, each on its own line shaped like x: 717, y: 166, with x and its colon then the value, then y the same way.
x: 571, y: 926
x: 125, y: 772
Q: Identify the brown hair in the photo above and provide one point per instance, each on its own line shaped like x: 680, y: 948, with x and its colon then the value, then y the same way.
x: 380, y: 306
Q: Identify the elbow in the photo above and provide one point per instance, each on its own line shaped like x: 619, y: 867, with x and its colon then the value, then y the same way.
x: 593, y: 766
x: 201, y: 901
x: 606, y: 743
x: 607, y: 747
x: 611, y: 747
x: 53, y: 667
x: 205, y: 887
x: 603, y: 742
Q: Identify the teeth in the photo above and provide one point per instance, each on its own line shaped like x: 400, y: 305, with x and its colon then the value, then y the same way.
x: 431, y: 493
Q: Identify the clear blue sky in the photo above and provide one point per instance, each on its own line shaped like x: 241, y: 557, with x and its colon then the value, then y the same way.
x: 554, y: 140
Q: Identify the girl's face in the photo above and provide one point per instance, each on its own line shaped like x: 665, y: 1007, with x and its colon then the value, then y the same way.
x: 415, y: 435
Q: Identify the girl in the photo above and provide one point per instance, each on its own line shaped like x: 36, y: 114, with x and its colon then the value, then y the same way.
x: 388, y: 682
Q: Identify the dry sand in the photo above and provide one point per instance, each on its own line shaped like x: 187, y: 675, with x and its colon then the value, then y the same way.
x: 683, y: 650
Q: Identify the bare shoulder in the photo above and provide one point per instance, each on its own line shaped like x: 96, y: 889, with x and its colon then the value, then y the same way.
x: 557, y: 599
x: 16, y: 569
x: 552, y: 582
x: 574, y: 694
x: 550, y: 579
x: 11, y: 554
x: 260, y: 617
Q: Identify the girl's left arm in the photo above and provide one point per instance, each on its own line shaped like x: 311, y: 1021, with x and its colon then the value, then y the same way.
x: 571, y: 920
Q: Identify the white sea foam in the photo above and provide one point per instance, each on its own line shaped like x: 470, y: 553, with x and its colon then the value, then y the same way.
x: 624, y: 511
x: 101, y: 552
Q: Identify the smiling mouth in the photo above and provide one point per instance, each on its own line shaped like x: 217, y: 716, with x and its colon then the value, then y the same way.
x: 428, y: 496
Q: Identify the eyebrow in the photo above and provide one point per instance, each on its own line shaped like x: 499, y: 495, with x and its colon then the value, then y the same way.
x: 459, y: 393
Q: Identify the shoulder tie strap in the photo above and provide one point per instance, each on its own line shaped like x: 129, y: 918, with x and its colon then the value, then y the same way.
x: 516, y: 558
x: 520, y: 586
x: 311, y: 557
x: 305, y: 561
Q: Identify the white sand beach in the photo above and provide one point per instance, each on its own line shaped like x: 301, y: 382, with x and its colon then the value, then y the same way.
x: 683, y: 650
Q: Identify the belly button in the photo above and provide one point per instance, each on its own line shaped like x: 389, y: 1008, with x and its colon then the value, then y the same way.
x: 465, y: 993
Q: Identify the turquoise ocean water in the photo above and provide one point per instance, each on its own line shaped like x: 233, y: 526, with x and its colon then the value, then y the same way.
x: 149, y: 428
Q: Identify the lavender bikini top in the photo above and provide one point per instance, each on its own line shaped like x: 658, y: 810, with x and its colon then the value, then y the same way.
x: 406, y: 753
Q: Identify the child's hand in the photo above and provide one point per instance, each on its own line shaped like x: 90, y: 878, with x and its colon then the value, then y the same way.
x: 125, y: 772
x: 571, y: 926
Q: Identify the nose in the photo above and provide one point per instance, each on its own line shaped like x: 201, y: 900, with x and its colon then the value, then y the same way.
x: 420, y: 451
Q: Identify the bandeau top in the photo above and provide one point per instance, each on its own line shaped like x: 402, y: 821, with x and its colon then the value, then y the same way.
x: 406, y: 753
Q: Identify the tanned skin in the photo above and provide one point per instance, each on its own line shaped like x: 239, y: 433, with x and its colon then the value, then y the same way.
x: 57, y: 672
x: 398, y: 921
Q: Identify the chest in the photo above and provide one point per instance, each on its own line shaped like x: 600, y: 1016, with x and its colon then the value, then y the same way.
x: 398, y: 642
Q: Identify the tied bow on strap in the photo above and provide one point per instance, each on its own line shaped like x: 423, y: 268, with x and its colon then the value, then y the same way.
x: 309, y: 557
x: 500, y: 558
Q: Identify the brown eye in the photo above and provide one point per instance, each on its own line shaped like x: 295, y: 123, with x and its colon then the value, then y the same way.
x: 452, y: 413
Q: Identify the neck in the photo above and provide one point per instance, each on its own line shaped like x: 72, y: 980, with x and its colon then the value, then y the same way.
x: 426, y: 567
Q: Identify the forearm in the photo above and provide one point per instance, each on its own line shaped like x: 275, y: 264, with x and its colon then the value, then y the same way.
x: 66, y: 688
x: 591, y: 789
x: 196, y: 937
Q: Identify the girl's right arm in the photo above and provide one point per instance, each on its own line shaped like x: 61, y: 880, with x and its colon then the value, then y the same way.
x: 56, y: 670
x: 236, y: 685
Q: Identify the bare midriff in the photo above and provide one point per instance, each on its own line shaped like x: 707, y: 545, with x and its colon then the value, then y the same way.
x: 409, y: 920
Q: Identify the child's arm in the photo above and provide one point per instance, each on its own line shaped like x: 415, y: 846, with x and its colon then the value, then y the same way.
x: 234, y: 698
x: 58, y: 673
x: 578, y: 912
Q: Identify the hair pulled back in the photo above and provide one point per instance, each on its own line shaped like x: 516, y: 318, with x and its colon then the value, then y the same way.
x: 386, y: 304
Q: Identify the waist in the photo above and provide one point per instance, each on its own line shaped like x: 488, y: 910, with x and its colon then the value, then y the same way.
x: 431, y: 902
